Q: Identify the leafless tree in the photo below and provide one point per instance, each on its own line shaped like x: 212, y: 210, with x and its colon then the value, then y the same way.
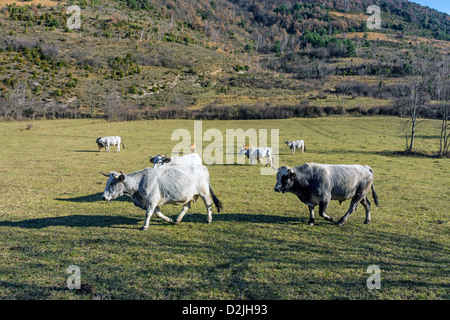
x: 112, y: 105
x: 443, y: 98
x: 413, y: 96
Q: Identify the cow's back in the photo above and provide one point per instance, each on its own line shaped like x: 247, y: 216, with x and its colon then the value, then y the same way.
x: 180, y: 183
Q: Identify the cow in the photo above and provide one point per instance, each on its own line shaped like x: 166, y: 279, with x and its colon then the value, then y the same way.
x: 316, y: 184
x: 298, y: 144
x: 189, y: 159
x: 105, y: 142
x: 151, y: 188
x: 257, y: 154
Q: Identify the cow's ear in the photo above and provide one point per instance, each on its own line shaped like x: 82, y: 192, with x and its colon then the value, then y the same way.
x: 121, y: 178
x: 167, y: 160
x: 152, y: 160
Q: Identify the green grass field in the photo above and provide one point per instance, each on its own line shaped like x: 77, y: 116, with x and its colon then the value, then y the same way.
x: 260, y: 247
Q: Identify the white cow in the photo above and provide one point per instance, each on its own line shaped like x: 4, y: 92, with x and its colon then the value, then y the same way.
x: 189, y: 159
x: 152, y: 188
x: 255, y: 154
x: 298, y: 144
x: 105, y: 142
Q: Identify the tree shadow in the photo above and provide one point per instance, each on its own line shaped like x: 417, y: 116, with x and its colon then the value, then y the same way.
x: 71, y: 221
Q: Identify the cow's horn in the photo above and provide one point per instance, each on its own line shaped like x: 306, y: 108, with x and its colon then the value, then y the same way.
x: 106, y: 175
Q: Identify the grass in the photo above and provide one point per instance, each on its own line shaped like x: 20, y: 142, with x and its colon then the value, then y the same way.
x: 260, y: 247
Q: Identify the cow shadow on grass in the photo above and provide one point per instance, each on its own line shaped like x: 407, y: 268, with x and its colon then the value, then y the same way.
x: 240, y: 217
x: 96, y: 197
x: 103, y: 221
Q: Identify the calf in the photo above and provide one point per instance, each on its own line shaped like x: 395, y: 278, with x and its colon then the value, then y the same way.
x: 316, y: 184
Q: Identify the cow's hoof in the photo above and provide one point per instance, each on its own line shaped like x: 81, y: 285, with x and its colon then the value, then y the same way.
x: 310, y: 223
x: 331, y: 219
x: 175, y: 222
x: 340, y: 222
x: 143, y: 229
x: 366, y: 221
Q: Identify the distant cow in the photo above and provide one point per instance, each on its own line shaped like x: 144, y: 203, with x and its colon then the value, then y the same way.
x: 151, y: 188
x: 189, y: 159
x: 257, y: 154
x: 316, y: 184
x: 298, y: 144
x: 105, y: 142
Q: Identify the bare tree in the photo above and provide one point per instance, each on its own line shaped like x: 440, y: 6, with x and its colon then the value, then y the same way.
x: 443, y: 98
x: 112, y: 105
x: 413, y: 97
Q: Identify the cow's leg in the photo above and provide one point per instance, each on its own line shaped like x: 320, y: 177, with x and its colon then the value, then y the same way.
x: 162, y: 216
x: 107, y: 147
x: 148, y: 215
x: 311, y: 216
x: 353, y: 205
x: 322, y: 211
x: 208, y: 204
x: 185, y: 209
x: 118, y: 147
x: 366, y: 203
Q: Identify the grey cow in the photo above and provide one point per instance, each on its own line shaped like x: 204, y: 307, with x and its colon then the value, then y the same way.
x: 151, y: 188
x: 316, y: 184
x: 298, y: 144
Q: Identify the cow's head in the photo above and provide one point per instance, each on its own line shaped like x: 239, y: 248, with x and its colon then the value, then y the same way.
x: 243, y: 151
x: 285, y: 179
x: 114, y: 186
x: 100, y: 141
x: 159, y: 160
x: 288, y: 143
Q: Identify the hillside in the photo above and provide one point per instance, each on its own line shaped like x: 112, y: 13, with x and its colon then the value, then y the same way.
x: 131, y: 58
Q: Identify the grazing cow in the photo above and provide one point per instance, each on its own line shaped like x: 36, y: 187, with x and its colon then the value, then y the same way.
x: 257, y: 154
x: 299, y: 144
x: 162, y: 160
x: 105, y: 142
x: 151, y: 188
x: 316, y: 184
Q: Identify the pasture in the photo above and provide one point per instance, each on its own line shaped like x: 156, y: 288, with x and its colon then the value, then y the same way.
x: 259, y: 247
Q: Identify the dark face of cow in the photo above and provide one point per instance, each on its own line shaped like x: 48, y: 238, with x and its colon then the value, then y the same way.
x: 159, y: 160
x: 285, y: 179
x: 114, y: 186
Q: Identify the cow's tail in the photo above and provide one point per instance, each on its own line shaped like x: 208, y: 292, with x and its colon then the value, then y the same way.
x: 304, y: 147
x: 216, y: 201
x: 374, y: 195
x: 123, y: 145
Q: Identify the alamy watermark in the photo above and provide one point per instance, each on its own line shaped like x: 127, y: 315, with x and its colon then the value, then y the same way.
x: 74, y: 280
x: 374, y: 21
x: 73, y: 21
x: 374, y: 280
x: 213, y: 153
